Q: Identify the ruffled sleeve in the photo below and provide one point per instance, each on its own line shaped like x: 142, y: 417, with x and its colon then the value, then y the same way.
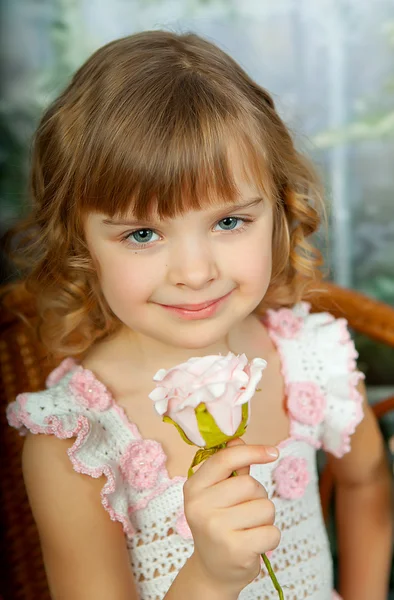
x: 318, y: 360
x: 343, y: 411
x: 78, y: 406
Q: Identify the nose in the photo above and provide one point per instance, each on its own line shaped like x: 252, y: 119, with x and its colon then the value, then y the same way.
x: 193, y: 265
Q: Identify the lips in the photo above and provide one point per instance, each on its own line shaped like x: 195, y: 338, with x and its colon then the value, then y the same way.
x: 196, y: 307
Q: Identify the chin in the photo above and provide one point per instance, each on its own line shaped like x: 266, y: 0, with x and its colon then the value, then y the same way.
x: 199, y: 338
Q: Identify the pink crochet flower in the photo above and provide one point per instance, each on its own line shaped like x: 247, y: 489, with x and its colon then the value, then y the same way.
x: 89, y: 391
x: 306, y: 402
x: 182, y: 527
x: 141, y: 463
x: 284, y: 322
x: 57, y: 374
x: 291, y: 477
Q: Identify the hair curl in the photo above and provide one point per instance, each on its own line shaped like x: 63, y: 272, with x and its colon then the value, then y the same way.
x: 146, y: 122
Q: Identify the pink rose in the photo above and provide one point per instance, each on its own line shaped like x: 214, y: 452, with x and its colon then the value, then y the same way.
x: 291, y: 477
x: 222, y: 383
x: 306, y: 402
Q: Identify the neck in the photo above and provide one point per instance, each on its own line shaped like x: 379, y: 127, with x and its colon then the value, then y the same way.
x: 150, y: 355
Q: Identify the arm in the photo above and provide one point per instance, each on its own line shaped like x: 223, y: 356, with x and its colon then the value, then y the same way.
x: 84, y: 552
x: 364, y: 512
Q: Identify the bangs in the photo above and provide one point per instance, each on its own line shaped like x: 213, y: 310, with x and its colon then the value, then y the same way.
x: 181, y: 152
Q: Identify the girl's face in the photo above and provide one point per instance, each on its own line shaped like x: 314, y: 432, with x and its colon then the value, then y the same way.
x: 186, y: 281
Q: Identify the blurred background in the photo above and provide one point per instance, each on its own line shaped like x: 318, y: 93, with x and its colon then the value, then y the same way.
x: 330, y: 67
x: 328, y: 63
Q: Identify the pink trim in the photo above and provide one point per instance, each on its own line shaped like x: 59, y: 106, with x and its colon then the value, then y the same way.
x: 284, y: 322
x: 137, y: 434
x: 182, y: 526
x: 108, y: 400
x: 354, y: 378
x: 346, y: 339
x: 283, y: 367
x: 132, y: 427
x: 143, y: 502
x: 13, y: 418
x: 80, y: 431
x: 61, y: 370
x: 354, y: 394
x: 292, y: 437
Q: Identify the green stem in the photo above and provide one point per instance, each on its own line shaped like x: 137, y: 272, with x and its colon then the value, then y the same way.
x: 201, y: 455
x: 268, y: 565
x: 273, y: 576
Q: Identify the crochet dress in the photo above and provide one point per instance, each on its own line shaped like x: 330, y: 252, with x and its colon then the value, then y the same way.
x: 324, y: 407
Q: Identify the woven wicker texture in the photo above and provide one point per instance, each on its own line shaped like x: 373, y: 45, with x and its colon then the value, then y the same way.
x: 24, y: 367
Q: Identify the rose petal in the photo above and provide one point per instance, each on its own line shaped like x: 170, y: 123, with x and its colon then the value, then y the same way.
x: 186, y: 419
x: 227, y: 418
x: 257, y: 367
x: 217, y: 389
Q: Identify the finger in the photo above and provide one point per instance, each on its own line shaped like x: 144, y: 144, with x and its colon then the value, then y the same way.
x: 238, y: 442
x: 236, y: 490
x: 259, y: 539
x: 255, y: 513
x: 222, y: 464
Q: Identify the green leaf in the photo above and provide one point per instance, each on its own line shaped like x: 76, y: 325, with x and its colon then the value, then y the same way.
x: 182, y: 433
x: 209, y: 430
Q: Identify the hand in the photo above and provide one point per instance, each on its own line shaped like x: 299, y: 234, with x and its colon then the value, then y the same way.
x: 231, y: 518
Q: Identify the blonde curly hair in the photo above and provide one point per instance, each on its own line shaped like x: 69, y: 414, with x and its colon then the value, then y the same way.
x: 145, y: 124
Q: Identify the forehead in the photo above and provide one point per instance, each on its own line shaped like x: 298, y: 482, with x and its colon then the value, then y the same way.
x: 240, y: 185
x: 192, y: 175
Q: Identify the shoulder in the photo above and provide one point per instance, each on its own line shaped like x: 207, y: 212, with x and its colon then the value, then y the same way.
x: 48, y: 472
x: 317, y: 342
x: 77, y: 423
x: 298, y: 323
x: 73, y: 395
x: 314, y: 334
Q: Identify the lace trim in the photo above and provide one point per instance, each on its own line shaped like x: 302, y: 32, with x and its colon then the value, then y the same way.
x: 283, y: 326
x: 354, y: 378
x: 306, y: 400
x: 19, y: 417
x: 90, y: 393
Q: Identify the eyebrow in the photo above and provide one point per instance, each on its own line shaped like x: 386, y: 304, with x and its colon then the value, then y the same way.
x: 230, y: 209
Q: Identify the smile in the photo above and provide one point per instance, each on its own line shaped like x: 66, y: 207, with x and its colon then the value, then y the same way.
x: 197, y: 311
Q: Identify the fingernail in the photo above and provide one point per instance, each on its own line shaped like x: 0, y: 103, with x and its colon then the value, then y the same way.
x: 272, y: 451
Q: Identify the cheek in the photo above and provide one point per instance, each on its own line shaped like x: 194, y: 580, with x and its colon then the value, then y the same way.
x: 252, y: 263
x: 257, y: 271
x: 124, y: 279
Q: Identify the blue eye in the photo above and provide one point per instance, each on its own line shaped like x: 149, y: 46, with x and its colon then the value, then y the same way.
x: 142, y: 236
x: 229, y: 223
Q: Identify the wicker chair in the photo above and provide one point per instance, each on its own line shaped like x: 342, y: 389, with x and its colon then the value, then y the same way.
x: 24, y: 367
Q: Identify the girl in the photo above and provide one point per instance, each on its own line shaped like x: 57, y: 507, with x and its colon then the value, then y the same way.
x: 171, y: 217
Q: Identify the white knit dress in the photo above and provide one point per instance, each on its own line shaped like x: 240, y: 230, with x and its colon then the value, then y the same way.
x: 319, y: 369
